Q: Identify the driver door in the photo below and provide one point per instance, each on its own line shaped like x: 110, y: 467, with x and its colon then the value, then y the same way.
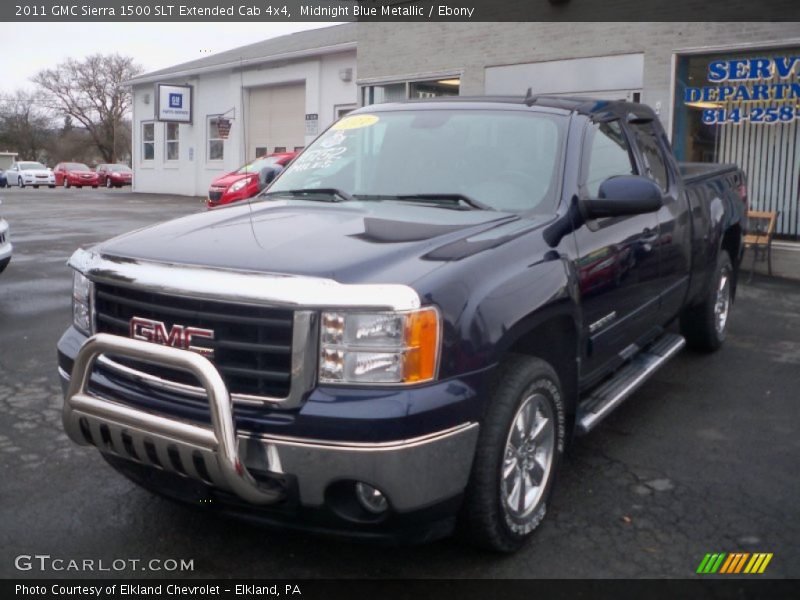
x: 617, y: 264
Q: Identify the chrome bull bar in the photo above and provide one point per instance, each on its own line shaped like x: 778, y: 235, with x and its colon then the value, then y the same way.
x: 218, y: 446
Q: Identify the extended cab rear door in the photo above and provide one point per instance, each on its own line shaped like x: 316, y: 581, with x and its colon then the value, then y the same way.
x: 674, y: 243
x: 617, y: 262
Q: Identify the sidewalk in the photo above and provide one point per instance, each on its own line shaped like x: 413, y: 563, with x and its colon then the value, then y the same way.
x: 785, y: 261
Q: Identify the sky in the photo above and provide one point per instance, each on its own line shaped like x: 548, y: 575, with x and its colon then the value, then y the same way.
x: 29, y: 47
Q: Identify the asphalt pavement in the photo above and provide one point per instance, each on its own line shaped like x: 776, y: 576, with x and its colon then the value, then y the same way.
x: 704, y: 458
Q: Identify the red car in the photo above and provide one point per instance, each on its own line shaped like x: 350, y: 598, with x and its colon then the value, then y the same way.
x: 247, y: 181
x: 114, y: 175
x: 77, y: 174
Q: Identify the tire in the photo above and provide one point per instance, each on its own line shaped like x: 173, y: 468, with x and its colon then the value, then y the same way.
x: 20, y: 183
x: 51, y: 186
x: 492, y: 516
x: 705, y: 326
x: 94, y: 187
x: 109, y: 185
x: 4, y: 263
x: 66, y: 183
x: 36, y: 187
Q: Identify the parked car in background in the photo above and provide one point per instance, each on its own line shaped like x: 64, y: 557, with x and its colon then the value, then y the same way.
x: 75, y: 174
x: 248, y: 180
x: 114, y: 175
x: 30, y: 173
x: 5, y: 244
x: 3, y: 180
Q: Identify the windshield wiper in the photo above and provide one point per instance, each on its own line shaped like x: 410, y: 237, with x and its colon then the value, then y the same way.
x: 453, y: 197
x: 335, y: 195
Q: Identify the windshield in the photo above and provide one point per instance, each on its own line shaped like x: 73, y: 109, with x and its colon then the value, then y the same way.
x: 257, y: 165
x: 119, y: 168
x: 31, y: 165
x: 76, y: 167
x: 504, y: 160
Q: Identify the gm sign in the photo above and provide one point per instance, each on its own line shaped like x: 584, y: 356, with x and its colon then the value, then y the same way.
x: 173, y: 103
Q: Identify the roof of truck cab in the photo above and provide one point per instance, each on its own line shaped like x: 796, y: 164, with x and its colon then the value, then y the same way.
x: 592, y: 107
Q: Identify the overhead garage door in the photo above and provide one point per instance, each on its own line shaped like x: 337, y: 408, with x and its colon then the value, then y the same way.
x: 276, y: 119
x: 605, y: 77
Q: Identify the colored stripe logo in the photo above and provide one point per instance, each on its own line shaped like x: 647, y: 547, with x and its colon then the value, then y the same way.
x: 734, y: 563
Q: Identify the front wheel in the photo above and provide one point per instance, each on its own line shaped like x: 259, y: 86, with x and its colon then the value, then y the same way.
x: 20, y: 183
x: 4, y: 263
x: 109, y: 185
x: 66, y: 183
x: 519, y: 449
x: 705, y: 325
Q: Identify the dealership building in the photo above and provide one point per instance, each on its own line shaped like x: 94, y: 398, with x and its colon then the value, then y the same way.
x: 726, y: 92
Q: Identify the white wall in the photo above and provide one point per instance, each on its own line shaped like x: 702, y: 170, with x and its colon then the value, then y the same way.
x: 216, y: 93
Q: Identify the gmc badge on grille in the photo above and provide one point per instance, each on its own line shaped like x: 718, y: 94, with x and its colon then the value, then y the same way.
x: 180, y: 336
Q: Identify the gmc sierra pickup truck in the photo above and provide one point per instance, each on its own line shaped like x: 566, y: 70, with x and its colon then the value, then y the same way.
x: 399, y: 337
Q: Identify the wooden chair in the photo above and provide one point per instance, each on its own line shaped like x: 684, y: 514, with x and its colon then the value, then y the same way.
x: 761, y: 226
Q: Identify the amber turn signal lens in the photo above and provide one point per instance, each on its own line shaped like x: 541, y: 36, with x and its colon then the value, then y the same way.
x: 422, y: 343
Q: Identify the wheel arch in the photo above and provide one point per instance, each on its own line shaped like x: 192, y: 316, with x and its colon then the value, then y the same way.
x: 551, y: 334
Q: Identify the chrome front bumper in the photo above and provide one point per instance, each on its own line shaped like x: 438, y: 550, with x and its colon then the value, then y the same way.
x: 411, y: 473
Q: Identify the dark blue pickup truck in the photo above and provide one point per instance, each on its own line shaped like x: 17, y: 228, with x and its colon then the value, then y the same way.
x: 401, y: 335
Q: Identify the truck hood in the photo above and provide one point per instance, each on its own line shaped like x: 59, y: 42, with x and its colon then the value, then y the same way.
x: 353, y: 242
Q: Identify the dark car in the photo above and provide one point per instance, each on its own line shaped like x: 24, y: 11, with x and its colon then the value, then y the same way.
x: 403, y: 333
x: 114, y: 175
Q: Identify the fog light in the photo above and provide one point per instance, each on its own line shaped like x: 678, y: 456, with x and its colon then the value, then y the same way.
x: 371, y: 499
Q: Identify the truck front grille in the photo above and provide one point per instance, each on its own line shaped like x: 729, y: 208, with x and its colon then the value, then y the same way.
x: 252, y: 345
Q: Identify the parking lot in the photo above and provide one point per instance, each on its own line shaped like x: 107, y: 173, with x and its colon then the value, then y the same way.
x: 704, y: 458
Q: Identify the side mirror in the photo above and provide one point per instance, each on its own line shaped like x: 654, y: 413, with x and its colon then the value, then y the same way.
x: 623, y: 195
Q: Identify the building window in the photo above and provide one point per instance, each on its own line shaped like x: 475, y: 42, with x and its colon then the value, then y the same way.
x: 261, y: 151
x: 172, y: 144
x: 397, y: 92
x: 148, y: 141
x: 741, y: 107
x: 216, y: 145
x: 279, y: 149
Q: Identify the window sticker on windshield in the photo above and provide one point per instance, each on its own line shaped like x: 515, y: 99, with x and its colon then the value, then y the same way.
x: 356, y: 122
x: 334, y: 139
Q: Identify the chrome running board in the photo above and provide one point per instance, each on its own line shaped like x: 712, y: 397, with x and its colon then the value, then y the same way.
x: 609, y: 395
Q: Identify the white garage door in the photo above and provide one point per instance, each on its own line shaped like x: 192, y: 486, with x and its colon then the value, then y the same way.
x: 276, y: 119
x: 606, y: 77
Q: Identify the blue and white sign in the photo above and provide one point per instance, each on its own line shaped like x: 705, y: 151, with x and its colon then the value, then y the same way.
x: 174, y: 103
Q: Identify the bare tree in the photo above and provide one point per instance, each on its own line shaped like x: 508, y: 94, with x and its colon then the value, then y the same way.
x: 25, y: 126
x: 90, y: 92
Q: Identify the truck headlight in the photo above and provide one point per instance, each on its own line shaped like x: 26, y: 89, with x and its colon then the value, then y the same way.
x: 81, y: 297
x: 235, y: 187
x: 379, y: 347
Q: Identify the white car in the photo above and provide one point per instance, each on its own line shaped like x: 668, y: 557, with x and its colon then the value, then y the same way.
x: 30, y: 173
x: 5, y: 245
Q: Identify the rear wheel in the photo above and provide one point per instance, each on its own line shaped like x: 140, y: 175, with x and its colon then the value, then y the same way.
x: 705, y: 325
x: 519, y: 449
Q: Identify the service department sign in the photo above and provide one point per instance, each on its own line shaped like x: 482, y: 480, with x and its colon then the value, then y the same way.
x: 174, y: 103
